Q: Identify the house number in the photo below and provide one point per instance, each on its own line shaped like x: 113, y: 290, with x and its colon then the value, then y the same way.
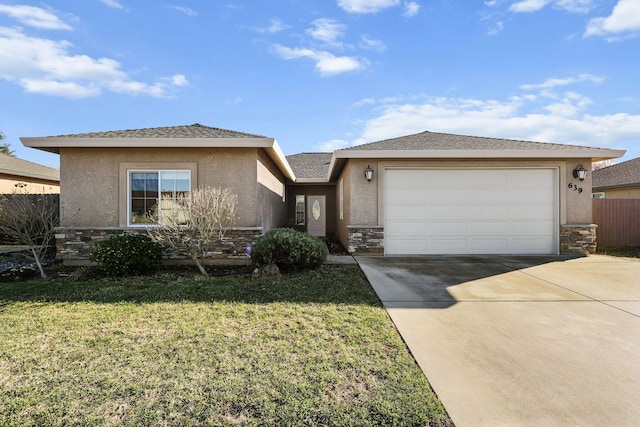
x: 575, y: 187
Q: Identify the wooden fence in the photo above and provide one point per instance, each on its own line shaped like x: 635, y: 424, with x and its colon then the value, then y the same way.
x: 618, y: 222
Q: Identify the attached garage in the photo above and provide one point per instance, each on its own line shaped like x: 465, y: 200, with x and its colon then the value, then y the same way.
x: 471, y: 211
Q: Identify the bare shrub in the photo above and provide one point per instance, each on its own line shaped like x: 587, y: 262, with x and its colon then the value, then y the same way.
x: 29, y: 220
x: 196, y: 223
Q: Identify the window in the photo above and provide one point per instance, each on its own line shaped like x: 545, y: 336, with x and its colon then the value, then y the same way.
x: 341, y: 190
x: 153, y: 192
x: 300, y: 210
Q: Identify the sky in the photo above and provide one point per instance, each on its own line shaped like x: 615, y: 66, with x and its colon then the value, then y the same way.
x: 323, y: 75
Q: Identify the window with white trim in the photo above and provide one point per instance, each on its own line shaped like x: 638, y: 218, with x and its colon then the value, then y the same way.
x: 341, y: 190
x: 152, y: 192
x: 300, y: 210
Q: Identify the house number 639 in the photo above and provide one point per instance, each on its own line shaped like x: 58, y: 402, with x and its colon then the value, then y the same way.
x: 575, y: 187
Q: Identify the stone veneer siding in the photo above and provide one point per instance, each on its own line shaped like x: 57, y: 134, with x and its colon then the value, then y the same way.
x: 74, y: 244
x: 578, y: 238
x: 365, y: 239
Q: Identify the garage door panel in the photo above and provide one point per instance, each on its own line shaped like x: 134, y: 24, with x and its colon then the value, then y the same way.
x: 407, y: 211
x: 459, y: 211
x: 408, y: 228
x: 496, y: 212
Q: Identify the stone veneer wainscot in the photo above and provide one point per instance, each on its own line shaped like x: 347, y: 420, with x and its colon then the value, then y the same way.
x: 74, y: 244
x: 578, y: 238
x: 365, y: 239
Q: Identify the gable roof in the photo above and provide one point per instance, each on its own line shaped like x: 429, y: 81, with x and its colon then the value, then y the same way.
x: 192, y: 131
x: 310, y: 166
x: 22, y: 168
x: 625, y: 174
x: 434, y: 145
x: 192, y: 136
x: 435, y: 141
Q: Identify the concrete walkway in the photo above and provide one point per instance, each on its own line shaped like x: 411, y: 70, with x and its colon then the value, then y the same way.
x: 520, y: 341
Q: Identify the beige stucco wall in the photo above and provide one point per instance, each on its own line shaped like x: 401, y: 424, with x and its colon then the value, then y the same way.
x: 364, y: 201
x: 271, y: 192
x: 10, y: 184
x: 623, y: 193
x: 93, y: 181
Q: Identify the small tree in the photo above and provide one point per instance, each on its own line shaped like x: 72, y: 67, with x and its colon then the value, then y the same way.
x: 29, y: 220
x: 195, y: 223
x: 6, y: 148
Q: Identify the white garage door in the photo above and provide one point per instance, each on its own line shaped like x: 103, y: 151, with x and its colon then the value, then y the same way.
x: 471, y: 211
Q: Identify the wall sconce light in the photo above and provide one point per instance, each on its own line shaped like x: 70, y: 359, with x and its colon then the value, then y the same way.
x: 368, y: 173
x: 580, y: 172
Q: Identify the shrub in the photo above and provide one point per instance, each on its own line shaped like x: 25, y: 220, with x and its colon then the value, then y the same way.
x: 290, y: 250
x: 127, y: 254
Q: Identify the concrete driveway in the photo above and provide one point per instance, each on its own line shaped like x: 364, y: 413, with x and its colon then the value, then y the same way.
x: 526, y: 341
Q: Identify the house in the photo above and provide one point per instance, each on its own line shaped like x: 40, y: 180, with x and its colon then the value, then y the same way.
x: 619, y: 181
x: 428, y: 193
x: 17, y: 175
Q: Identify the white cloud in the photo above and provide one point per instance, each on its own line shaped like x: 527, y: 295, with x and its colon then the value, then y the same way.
x: 556, y: 82
x: 186, y: 10
x: 327, y: 30
x: 366, y: 6
x: 326, y: 63
x: 372, y: 44
x: 34, y: 17
x: 47, y: 67
x: 275, y: 26
x: 112, y: 3
x: 411, y: 9
x: 624, y: 18
x: 180, y: 80
x: 236, y: 100
x: 496, y: 29
x: 528, y: 6
x: 333, y: 145
x: 520, y: 117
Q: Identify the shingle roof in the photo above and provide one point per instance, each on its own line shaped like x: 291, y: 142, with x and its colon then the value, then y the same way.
x: 444, y: 141
x: 13, y: 166
x: 623, y: 174
x: 192, y: 131
x: 310, y: 165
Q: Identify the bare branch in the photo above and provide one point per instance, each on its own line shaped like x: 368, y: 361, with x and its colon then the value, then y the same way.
x: 30, y: 219
x: 196, y: 223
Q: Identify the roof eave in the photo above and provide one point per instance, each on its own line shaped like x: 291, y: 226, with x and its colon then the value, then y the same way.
x: 596, y: 154
x: 54, y: 144
x: 22, y: 174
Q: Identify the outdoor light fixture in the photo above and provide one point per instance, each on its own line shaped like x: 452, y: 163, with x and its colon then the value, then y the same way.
x: 368, y: 173
x: 580, y: 172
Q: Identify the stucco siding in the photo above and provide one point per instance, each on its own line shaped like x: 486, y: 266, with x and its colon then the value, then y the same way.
x: 10, y: 184
x: 272, y: 208
x: 94, y: 182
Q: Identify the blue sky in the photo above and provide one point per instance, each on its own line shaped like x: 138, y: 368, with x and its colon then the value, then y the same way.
x: 321, y: 75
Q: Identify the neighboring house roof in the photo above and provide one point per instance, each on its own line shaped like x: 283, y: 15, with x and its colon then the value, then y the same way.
x: 310, y: 166
x: 621, y: 175
x: 192, y: 136
x: 21, y: 168
x: 433, y: 145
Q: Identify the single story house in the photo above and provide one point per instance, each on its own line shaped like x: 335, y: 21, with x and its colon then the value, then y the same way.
x: 428, y: 193
x: 619, y: 181
x: 17, y: 175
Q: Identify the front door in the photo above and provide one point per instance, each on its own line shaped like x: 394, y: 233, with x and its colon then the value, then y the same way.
x: 317, y: 224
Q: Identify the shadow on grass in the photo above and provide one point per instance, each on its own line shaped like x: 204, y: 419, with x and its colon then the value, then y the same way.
x: 329, y: 285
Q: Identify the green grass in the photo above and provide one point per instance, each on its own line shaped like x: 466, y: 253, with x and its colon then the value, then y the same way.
x: 308, y: 349
x: 627, y: 252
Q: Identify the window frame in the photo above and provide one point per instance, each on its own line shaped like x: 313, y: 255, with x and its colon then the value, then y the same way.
x: 341, y: 197
x: 129, y: 199
x: 304, y: 209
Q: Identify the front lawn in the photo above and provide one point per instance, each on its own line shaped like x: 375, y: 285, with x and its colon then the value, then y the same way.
x: 307, y: 349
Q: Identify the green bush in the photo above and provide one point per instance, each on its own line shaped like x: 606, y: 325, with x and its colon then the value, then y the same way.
x: 127, y: 254
x: 289, y: 249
